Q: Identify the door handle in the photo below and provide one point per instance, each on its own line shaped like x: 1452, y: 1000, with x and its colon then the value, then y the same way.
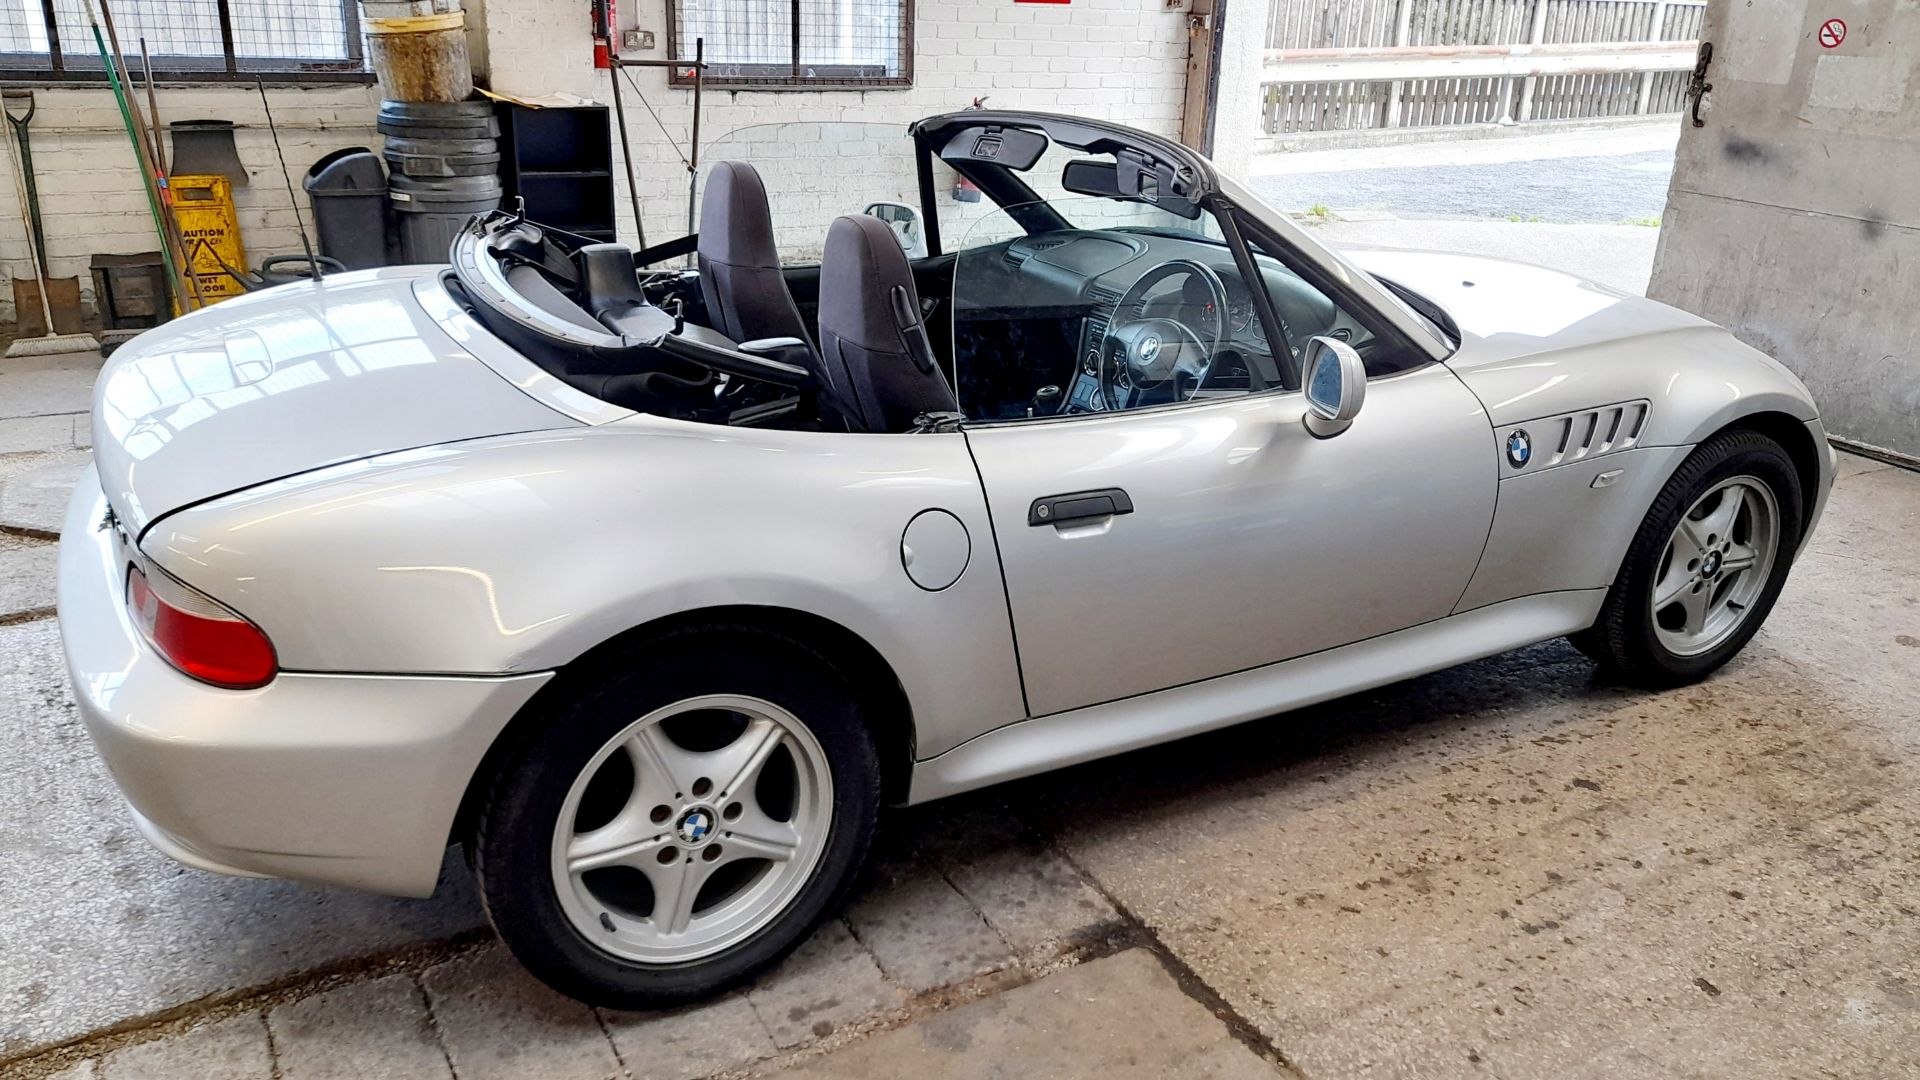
x: 1078, y: 506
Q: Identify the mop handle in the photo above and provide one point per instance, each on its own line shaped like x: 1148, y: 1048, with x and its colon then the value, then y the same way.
x: 139, y: 153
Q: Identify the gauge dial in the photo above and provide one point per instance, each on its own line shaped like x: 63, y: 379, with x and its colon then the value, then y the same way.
x: 1240, y: 313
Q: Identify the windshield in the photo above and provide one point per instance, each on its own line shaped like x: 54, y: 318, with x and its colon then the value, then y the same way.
x: 815, y: 172
x: 1035, y: 314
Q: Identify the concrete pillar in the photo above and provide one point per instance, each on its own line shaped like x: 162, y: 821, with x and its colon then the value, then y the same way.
x: 1242, y: 25
x: 1794, y: 215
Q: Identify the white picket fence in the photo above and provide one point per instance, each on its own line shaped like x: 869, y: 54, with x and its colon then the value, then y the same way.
x: 1346, y: 64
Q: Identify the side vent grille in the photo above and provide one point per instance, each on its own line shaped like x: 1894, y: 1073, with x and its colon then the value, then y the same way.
x: 1561, y: 440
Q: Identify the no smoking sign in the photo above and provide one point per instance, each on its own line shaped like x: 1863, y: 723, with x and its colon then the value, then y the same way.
x: 1832, y: 33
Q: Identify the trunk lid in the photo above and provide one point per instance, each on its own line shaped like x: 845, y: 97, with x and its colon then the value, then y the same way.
x: 287, y: 380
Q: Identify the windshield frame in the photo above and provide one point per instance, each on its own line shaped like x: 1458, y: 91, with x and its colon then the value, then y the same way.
x: 1192, y: 175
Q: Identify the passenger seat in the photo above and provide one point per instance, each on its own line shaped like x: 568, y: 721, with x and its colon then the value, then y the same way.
x: 876, y: 360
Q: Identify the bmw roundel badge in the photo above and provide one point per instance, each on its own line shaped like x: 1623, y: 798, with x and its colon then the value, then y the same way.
x: 1519, y: 448
x: 695, y: 825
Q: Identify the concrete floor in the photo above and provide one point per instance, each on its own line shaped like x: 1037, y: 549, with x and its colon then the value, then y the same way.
x: 1507, y: 869
x: 1511, y: 869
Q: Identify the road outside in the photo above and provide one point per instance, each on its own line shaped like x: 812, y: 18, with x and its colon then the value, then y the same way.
x: 1586, y: 202
x: 1607, y: 176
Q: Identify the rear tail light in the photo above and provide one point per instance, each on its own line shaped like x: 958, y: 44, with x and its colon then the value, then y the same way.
x: 198, y: 635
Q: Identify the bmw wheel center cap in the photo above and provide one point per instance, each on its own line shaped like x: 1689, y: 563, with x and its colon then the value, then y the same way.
x: 695, y: 826
x: 1519, y: 448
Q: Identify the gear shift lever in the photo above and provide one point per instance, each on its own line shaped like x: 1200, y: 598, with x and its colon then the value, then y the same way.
x: 1046, y: 396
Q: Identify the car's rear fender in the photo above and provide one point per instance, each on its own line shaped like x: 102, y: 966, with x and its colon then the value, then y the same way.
x: 521, y: 553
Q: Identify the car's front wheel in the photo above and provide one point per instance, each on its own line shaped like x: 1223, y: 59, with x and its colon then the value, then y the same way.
x: 1706, y: 565
x: 681, y: 820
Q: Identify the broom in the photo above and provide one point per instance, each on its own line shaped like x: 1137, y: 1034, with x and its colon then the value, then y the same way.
x: 51, y: 342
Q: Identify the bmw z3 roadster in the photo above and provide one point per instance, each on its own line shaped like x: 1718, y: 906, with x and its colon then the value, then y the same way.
x: 937, y: 457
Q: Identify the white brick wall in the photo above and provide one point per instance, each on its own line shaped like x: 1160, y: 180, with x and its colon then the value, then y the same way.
x: 89, y: 181
x: 1117, y: 59
x: 1113, y: 59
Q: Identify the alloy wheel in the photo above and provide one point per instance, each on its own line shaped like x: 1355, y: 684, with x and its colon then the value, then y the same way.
x: 1715, y: 565
x: 692, y: 829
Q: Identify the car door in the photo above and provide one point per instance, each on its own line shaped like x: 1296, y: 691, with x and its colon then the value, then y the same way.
x: 1151, y: 548
x: 1208, y: 538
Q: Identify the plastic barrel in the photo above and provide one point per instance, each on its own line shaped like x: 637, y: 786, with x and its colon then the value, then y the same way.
x: 348, y: 190
x: 421, y: 57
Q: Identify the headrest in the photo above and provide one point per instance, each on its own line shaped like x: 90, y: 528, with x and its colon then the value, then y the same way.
x: 607, y: 276
x: 735, y: 225
x: 866, y: 287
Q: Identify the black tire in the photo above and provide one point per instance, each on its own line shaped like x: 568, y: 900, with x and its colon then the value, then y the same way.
x: 511, y: 843
x: 1624, y: 641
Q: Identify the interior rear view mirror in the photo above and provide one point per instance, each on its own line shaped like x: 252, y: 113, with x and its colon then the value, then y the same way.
x: 1084, y: 177
x: 1336, y: 386
x: 1127, y: 179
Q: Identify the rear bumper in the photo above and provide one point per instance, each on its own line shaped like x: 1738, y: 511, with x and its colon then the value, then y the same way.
x: 340, y: 779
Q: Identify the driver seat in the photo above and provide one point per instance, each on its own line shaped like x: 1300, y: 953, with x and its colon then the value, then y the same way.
x: 875, y: 357
x: 740, y: 279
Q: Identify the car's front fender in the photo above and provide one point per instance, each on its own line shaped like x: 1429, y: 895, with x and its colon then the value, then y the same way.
x: 520, y: 553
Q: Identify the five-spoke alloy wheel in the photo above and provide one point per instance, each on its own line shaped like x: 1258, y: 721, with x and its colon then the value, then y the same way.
x: 1715, y: 565
x: 675, y: 815
x: 692, y: 828
x: 1706, y: 565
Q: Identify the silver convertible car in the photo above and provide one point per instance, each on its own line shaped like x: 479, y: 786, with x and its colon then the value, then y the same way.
x: 939, y: 456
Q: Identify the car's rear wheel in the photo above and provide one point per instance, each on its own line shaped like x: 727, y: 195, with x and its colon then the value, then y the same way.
x: 680, y: 821
x: 1706, y: 566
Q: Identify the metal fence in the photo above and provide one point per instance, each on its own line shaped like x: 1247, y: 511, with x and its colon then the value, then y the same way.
x: 1608, y: 69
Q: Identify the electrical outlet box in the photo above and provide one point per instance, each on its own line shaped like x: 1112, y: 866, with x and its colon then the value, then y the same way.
x: 636, y: 40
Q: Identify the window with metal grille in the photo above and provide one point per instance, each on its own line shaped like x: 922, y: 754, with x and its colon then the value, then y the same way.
x: 202, y: 40
x: 799, y: 43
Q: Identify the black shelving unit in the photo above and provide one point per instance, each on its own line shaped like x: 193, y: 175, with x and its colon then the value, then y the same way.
x: 560, y: 160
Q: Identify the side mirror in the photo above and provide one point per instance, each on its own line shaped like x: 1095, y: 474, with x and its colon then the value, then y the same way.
x: 1336, y: 386
x: 904, y: 220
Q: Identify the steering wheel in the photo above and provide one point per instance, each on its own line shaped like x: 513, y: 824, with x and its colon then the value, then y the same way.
x: 1143, y: 355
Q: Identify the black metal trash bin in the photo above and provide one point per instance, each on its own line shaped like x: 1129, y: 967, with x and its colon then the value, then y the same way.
x: 348, y: 189
x: 431, y: 211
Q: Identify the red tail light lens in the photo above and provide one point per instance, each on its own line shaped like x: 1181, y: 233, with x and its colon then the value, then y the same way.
x: 197, y: 635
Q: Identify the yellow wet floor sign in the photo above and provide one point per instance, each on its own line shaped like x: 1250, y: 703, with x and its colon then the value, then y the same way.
x: 210, y: 229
